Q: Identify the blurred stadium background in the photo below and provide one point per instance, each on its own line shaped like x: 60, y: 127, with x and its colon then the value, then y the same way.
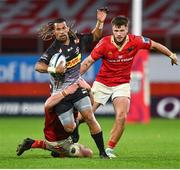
x: 23, y: 91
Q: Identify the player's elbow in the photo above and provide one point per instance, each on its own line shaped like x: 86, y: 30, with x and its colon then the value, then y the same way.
x: 37, y: 67
x: 97, y: 36
x: 40, y: 67
x: 47, y: 107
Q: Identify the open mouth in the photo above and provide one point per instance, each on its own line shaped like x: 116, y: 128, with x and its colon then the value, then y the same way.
x: 62, y: 36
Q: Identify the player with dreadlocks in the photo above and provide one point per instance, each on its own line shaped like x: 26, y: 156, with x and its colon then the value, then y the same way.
x: 70, y: 45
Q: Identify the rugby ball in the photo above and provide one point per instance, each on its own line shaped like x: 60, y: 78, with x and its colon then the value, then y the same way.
x: 56, y: 59
x: 74, y: 149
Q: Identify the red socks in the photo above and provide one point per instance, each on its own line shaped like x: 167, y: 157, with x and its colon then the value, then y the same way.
x: 39, y: 144
x: 111, y: 144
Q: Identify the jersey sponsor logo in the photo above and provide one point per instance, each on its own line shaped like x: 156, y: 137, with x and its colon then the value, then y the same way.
x: 121, y: 60
x: 69, y: 49
x: 145, y: 40
x: 74, y: 61
x: 120, y: 56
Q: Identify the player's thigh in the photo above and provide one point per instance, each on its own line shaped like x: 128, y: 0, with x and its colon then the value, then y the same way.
x: 65, y: 111
x: 83, y: 104
x: 122, y: 90
x: 67, y: 119
x: 121, y: 106
x: 85, y: 108
x: 101, y: 92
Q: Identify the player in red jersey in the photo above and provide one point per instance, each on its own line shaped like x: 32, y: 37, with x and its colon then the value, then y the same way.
x: 56, y: 138
x: 117, y: 52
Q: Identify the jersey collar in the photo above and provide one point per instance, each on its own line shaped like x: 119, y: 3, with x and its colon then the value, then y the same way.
x: 118, y: 47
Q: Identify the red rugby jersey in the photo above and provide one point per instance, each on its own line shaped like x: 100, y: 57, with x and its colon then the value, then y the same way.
x: 116, y: 62
x: 54, y: 130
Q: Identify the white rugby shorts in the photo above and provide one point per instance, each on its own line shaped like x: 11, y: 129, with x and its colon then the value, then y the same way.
x: 102, y: 93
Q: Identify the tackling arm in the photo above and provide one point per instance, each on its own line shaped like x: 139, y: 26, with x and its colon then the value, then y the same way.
x: 164, y: 50
x: 55, y: 99
x: 86, y: 64
x: 101, y: 16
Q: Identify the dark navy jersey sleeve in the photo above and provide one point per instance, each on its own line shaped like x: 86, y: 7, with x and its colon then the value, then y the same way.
x: 86, y: 40
x: 46, y: 57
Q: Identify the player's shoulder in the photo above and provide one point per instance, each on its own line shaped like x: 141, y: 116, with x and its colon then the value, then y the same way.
x: 105, y: 40
x: 138, y: 38
x: 133, y: 37
x: 82, y: 35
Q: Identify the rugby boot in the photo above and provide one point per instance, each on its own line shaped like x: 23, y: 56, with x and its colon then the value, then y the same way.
x: 25, y: 145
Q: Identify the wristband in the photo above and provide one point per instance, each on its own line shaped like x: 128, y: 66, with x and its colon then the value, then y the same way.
x: 51, y: 70
x: 64, y: 93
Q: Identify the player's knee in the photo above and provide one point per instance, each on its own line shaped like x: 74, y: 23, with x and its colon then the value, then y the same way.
x: 121, y: 116
x: 89, y: 118
x: 69, y: 127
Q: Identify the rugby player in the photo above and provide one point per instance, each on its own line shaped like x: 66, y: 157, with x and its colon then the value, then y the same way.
x: 57, y: 139
x: 117, y: 52
x: 70, y: 45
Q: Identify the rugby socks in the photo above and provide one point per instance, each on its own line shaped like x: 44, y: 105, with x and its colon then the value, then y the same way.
x: 111, y: 144
x: 39, y: 144
x: 98, y: 138
x: 75, y: 133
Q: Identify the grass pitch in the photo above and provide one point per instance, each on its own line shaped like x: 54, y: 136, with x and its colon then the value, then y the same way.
x: 156, y: 145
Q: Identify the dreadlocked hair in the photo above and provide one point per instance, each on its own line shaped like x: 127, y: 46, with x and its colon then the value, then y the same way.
x: 46, y: 31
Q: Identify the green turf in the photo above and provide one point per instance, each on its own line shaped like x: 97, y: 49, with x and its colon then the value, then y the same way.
x: 156, y: 145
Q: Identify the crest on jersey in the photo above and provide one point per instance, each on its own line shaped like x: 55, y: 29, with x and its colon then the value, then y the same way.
x: 145, y: 40
x: 130, y: 49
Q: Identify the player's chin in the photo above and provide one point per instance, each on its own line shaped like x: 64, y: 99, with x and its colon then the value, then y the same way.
x: 87, y: 152
x: 62, y: 38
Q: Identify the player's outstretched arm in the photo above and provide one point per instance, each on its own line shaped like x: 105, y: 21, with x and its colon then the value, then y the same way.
x: 164, y: 50
x: 101, y: 16
x: 55, y: 99
x: 86, y: 64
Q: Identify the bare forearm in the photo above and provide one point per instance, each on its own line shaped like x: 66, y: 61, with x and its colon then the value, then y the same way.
x: 101, y: 16
x: 97, y: 31
x: 54, y: 99
x: 41, y: 67
x: 85, y: 65
x: 161, y: 48
x: 164, y: 50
